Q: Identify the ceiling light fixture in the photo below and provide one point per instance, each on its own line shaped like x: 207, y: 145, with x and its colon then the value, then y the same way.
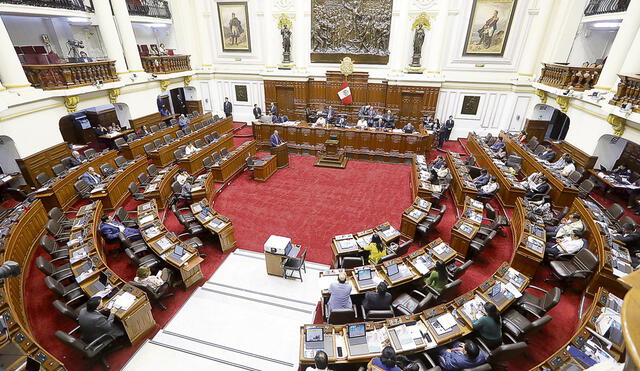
x: 606, y: 25
x: 78, y: 20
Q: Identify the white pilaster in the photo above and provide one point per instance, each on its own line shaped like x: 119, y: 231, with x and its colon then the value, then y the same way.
x: 621, y: 47
x: 399, y: 39
x: 109, y: 31
x: 533, y: 45
x: 203, y: 17
x: 299, y: 35
x: 432, y: 58
x: 183, y: 24
x: 631, y: 65
x: 566, y: 18
x: 11, y: 72
x: 269, y: 40
x: 125, y: 29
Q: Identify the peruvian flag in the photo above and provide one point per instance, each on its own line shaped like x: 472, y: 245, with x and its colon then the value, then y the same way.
x: 345, y: 93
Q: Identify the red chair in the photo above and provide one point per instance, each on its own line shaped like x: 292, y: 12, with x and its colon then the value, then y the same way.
x: 170, y: 51
x: 145, y: 50
x: 40, y: 49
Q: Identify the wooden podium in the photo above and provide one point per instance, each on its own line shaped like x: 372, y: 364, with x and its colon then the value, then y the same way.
x: 282, y: 154
x: 332, y: 156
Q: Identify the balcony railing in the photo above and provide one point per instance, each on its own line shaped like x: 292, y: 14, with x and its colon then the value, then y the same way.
x: 70, y: 75
x: 166, y: 63
x: 84, y: 5
x: 149, y: 8
x: 563, y: 76
x: 628, y: 92
x: 605, y: 6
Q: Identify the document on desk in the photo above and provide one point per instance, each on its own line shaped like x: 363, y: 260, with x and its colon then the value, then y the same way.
x: 390, y: 233
x: 99, y: 188
x: 152, y: 232
x: 376, y: 339
x: 442, y: 248
x: 364, y: 240
x: 405, y: 337
x: 513, y: 290
x: 124, y: 301
x: 196, y: 188
x: 447, y: 321
x: 147, y: 218
x: 347, y: 245
x: 151, y: 187
x: 422, y: 264
x: 474, y: 308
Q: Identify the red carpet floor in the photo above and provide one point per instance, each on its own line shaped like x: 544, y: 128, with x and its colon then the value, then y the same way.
x: 311, y: 205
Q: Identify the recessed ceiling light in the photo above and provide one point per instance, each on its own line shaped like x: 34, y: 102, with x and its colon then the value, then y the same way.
x: 78, y: 20
x: 606, y: 25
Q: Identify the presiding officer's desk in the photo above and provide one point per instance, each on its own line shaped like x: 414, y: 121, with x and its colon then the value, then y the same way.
x: 354, y: 244
x: 562, y: 191
x: 163, y: 244
x: 60, y: 192
x: 159, y: 187
x: 115, y: 186
x: 415, y: 333
x: 461, y: 182
x: 234, y: 163
x: 20, y: 230
x: 509, y: 190
x: 87, y: 262
x: 217, y: 224
x: 193, y: 163
x: 359, y: 144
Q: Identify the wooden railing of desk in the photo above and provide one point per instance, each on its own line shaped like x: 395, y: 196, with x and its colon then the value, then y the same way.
x: 557, y: 360
x: 163, y: 156
x: 482, y: 290
x: 523, y: 259
x: 234, y: 163
x: 508, y: 194
x: 561, y: 193
x: 193, y: 164
x: 42, y: 162
x: 207, y: 191
x: 137, y: 320
x: 354, y: 141
x: 459, y: 189
x: 136, y: 148
x: 117, y: 189
x: 61, y: 193
x: 163, y: 190
x: 19, y: 246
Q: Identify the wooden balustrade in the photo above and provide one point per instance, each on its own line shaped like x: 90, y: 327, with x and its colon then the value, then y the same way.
x: 563, y: 76
x: 628, y: 92
x: 70, y: 75
x: 166, y: 63
x: 62, y: 4
x: 605, y: 6
x: 150, y: 8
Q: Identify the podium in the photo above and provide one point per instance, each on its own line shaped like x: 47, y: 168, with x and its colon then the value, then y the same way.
x: 332, y: 156
x: 282, y: 155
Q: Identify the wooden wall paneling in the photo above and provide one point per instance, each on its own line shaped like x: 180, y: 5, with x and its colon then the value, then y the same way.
x: 536, y: 128
x: 42, y: 161
x: 269, y: 93
x: 630, y: 157
x: 148, y: 120
x: 316, y: 93
x: 194, y: 105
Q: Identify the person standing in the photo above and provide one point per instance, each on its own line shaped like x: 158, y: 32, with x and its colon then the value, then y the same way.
x: 228, y: 107
x: 273, y: 109
x: 275, y: 139
x: 449, y: 126
x: 257, y: 112
x: 442, y: 136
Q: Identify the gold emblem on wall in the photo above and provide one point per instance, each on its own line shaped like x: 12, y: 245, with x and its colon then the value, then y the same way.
x: 542, y: 95
x: 346, y: 66
x: 284, y: 20
x: 164, y: 84
x: 617, y: 123
x: 113, y: 95
x: 187, y: 80
x: 421, y: 19
x: 71, y: 103
x: 563, y: 102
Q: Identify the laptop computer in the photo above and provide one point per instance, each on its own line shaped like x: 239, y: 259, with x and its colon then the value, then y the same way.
x: 314, y: 338
x: 392, y: 270
x: 357, y: 337
x: 364, y: 277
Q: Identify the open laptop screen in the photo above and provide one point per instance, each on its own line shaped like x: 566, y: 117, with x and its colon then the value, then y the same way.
x: 392, y: 269
x: 357, y: 330
x: 315, y: 334
x: 364, y: 274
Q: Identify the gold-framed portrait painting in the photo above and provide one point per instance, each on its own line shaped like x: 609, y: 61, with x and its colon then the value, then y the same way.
x: 233, y: 18
x: 489, y: 27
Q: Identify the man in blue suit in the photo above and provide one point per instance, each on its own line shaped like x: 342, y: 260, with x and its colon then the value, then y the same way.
x: 275, y: 139
x: 498, y: 145
x: 91, y: 177
x: 273, y: 109
x: 110, y: 229
x: 482, y: 179
x: 548, y: 154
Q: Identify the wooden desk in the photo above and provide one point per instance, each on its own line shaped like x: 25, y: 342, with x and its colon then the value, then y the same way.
x: 274, y: 262
x: 137, y: 319
x: 42, y: 161
x: 136, y: 147
x: 117, y: 188
x: 159, y: 189
x: 420, y: 185
x: 20, y: 245
x: 264, y: 168
x: 115, y: 135
x: 194, y: 163
x: 580, y: 157
x: 525, y: 258
x: 354, y: 244
x: 236, y: 162
x: 509, y: 190
x: 461, y: 184
x: 61, y: 192
x: 466, y: 228
x: 217, y: 224
x: 282, y: 154
x: 203, y: 187
x: 412, y: 216
x: 359, y: 144
x: 163, y: 243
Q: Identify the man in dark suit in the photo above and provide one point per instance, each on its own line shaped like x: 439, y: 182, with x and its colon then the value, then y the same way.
x: 498, y: 144
x: 389, y: 120
x: 76, y: 159
x: 442, y: 136
x: 110, y: 229
x: 631, y: 239
x: 449, y: 126
x: 257, y: 112
x: 539, y: 187
x: 330, y: 114
x: 91, y: 177
x: 273, y: 109
x: 275, y: 139
x: 341, y: 121
x: 408, y: 128
x: 379, y: 300
x: 228, y: 107
x: 438, y: 162
x: 548, y: 154
x: 622, y: 171
x: 94, y: 324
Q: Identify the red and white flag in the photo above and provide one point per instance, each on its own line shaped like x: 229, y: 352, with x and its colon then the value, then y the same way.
x: 345, y: 93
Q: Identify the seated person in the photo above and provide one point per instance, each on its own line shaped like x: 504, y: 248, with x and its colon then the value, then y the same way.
x: 462, y: 355
x: 377, y: 249
x: 622, y: 172
x: 378, y: 300
x: 488, y: 189
x: 566, y: 245
x: 522, y: 136
x: 389, y: 119
x: 442, y: 172
x: 182, y: 176
x: 283, y: 119
x: 560, y: 163
x: 438, y: 162
x: 144, y: 276
x: 115, y: 127
x: 91, y: 177
x: 438, y: 278
x: 321, y: 121
x: 184, y: 122
x: 566, y: 226
x: 94, y: 324
x: 321, y: 362
x: 435, y: 125
x: 378, y: 123
x: 501, y: 154
x: 408, y: 128
x: 489, y: 326
x: 540, y: 186
x: 76, y: 159
x: 362, y: 123
x: 164, y: 111
x: 487, y: 138
x: 342, y: 121
x: 340, y: 294
x: 568, y: 168
x: 542, y: 210
x: 111, y: 229
x: 482, y: 179
x: 386, y: 361
x: 185, y: 190
x: 190, y: 149
x: 426, y: 122
x: 497, y: 145
x: 548, y: 154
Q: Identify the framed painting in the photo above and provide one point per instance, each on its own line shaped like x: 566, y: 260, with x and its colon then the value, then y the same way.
x: 489, y: 26
x: 241, y: 93
x: 234, y: 26
x: 470, y: 104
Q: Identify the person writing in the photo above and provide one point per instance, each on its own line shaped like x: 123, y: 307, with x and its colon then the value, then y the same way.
x: 275, y: 139
x: 91, y: 177
x: 489, y: 326
x: 386, y: 361
x: 340, y: 294
x: 110, y: 229
x: 94, y: 324
x: 463, y: 355
x: 377, y: 250
x: 566, y: 245
x: 144, y: 276
x: 438, y: 278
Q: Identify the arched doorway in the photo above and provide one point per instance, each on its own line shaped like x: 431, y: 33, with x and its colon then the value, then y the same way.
x: 79, y: 127
x: 558, y: 125
x: 547, y: 122
x: 613, y: 151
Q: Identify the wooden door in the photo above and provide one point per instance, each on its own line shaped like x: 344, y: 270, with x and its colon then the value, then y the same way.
x: 410, y: 107
x: 284, y: 95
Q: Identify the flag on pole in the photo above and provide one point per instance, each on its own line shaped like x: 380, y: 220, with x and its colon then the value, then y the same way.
x: 345, y: 93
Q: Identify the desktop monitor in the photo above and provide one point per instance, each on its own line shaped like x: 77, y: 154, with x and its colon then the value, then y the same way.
x: 392, y: 269
x: 364, y: 274
x: 314, y: 334
x: 357, y: 330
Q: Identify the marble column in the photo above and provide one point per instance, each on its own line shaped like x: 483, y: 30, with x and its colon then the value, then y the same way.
x: 203, y: 19
x: 566, y: 18
x: 11, y: 73
x: 631, y: 65
x: 127, y: 36
x: 433, y: 57
x: 183, y: 26
x: 109, y: 33
x: 533, y: 44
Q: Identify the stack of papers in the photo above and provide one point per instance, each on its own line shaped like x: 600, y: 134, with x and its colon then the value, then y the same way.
x: 146, y: 219
x: 474, y: 308
x: 442, y: 248
x: 416, y: 214
x: 444, y: 323
x: 423, y: 264
x: 347, y: 245
x: 124, y: 301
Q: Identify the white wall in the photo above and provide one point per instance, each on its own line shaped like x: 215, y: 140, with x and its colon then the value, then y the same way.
x: 242, y: 111
x: 148, y: 33
x: 8, y: 154
x: 608, y: 150
x: 122, y: 111
x: 542, y: 112
x: 590, y: 44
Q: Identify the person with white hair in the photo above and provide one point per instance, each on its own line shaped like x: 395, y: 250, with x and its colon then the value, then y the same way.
x: 340, y: 294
